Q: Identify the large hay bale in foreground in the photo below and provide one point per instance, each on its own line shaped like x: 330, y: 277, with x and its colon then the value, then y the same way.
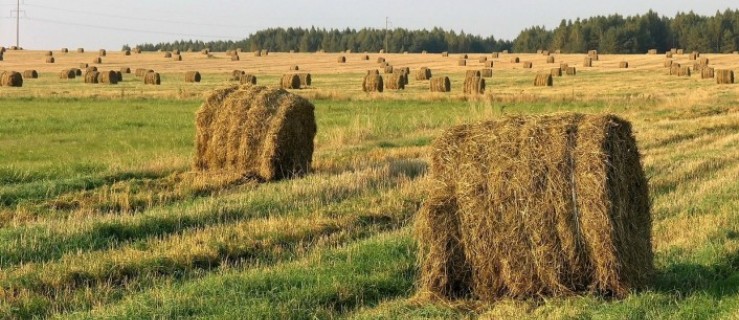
x: 91, y: 77
x: 395, y: 81
x: 423, y: 73
x: 11, y: 79
x: 248, y: 79
x: 724, y: 76
x: 290, y: 81
x: 30, y: 74
x: 152, y: 78
x: 707, y: 73
x: 543, y: 80
x: 474, y: 85
x: 535, y: 206
x: 305, y: 79
x: 486, y: 73
x: 255, y: 131
x: 192, y: 76
x: 108, y: 77
x: 372, y: 83
x: 67, y: 74
x: 440, y: 84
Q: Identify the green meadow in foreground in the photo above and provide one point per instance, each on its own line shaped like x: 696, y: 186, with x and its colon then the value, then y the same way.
x: 101, y: 216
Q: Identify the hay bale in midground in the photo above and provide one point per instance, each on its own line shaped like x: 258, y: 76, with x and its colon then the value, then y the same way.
x: 683, y: 71
x: 535, y: 206
x: 489, y: 64
x: 256, y: 131
x: 423, y: 73
x: 77, y: 71
x: 474, y: 85
x: 440, y: 84
x: 587, y: 62
x: 707, y: 73
x: 380, y: 60
x: 495, y: 55
x: 593, y: 54
x: 80, y: 50
x: 91, y: 77
x: 119, y: 75
x: 388, y: 69
x: 543, y: 80
x: 486, y: 73
x: 294, y: 67
x: 192, y: 76
x: 668, y: 63
x: 177, y: 57
x: 305, y: 79
x: 91, y: 69
x: 570, y: 71
x: 168, y: 55
x: 473, y: 73
x: 108, y: 77
x: 290, y: 81
x: 528, y: 65
x: 11, y: 79
x: 724, y: 76
x: 372, y: 83
x: 395, y: 81
x: 249, y: 79
x: 556, y: 72
x: 30, y: 74
x: 140, y: 72
x: 515, y: 60
x: 67, y: 74
x: 152, y: 78
x: 482, y: 59
x: 50, y: 60
x: 668, y: 55
x: 49, y: 53
x: 550, y: 59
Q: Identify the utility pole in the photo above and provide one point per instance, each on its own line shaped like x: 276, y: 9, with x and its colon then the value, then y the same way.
x: 17, y: 13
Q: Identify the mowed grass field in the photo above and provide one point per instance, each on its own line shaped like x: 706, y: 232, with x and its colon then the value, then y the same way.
x: 102, y: 217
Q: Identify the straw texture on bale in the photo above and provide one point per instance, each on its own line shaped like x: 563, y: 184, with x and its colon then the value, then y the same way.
x: 192, y: 76
x: 424, y: 73
x: 67, y: 74
x: 472, y: 74
x: 489, y: 64
x: 623, y: 64
x: 395, y: 81
x: 707, y: 73
x: 528, y: 64
x: 556, y: 72
x: 30, y: 74
x: 256, y: 131
x: 11, y: 79
x: 550, y: 59
x: 440, y: 84
x: 236, y: 75
x: 91, y: 77
x: 373, y: 71
x: 249, y: 79
x: 535, y: 206
x: 108, y: 77
x: 152, y: 78
x: 683, y: 71
x: 543, y: 80
x: 462, y: 62
x: 486, y: 73
x: 570, y: 71
x: 724, y: 76
x: 305, y: 79
x: 373, y: 82
x: 50, y: 60
x: 341, y: 59
x: 474, y: 85
x: 515, y: 60
x: 587, y: 62
x: 290, y: 81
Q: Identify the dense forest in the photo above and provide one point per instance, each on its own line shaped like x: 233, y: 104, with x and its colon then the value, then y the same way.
x: 607, y: 34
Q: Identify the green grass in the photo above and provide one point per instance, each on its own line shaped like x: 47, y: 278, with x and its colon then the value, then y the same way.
x: 100, y: 218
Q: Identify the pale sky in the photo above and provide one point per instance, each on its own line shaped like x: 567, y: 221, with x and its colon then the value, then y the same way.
x: 92, y: 24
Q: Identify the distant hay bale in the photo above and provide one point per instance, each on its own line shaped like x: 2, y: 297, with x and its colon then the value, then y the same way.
x: 125, y: 70
x: 462, y: 62
x: 593, y: 54
x: 91, y: 69
x: 255, y: 131
x: 290, y: 81
x: 405, y: 52
x: 292, y: 51
x: 697, y: 67
x: 515, y: 60
x: 341, y: 59
x: 236, y: 75
x: 694, y: 55
x: 294, y: 68
x: 550, y: 59
x: 556, y: 72
x: 91, y: 77
x: 176, y: 51
x: 372, y: 83
x: 127, y: 52
x: 80, y: 50
x: 67, y: 74
x: 388, y: 69
x: 440, y: 84
x: 558, y: 51
x: 707, y: 73
x: 495, y: 55
x: 539, y: 51
x: 265, y: 52
x: 504, y: 51
x: 489, y: 64
x: 668, y: 55
x: 652, y: 51
x: 703, y: 61
x: 168, y: 55
x: 724, y: 76
x: 623, y: 64
x: 108, y: 77
x: 528, y: 64
x: 563, y: 66
x: 97, y: 60
x: 380, y: 60
x: 137, y: 50
x: 102, y: 53
x: 486, y: 73
x: 474, y: 85
x: 673, y: 50
x: 152, y: 78
x: 570, y: 71
x: 49, y: 53
x: 680, y: 51
x: 464, y: 56
x: 11, y: 79
x: 50, y: 60
x: 177, y: 57
x: 192, y: 76
x: 395, y: 81
x: 482, y: 59
x: 445, y: 54
x: 587, y: 62
x: 535, y: 206
x: 249, y: 79
x: 423, y: 73
x: 205, y: 52
x: 668, y: 63
x: 84, y: 65
x: 30, y: 74
x: 736, y: 52
x: 140, y: 72
x: 365, y: 57
x: 543, y: 80
x: 305, y: 79
x: 423, y: 52
x: 472, y: 74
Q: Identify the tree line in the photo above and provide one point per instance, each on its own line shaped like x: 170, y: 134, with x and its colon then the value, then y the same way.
x: 607, y: 34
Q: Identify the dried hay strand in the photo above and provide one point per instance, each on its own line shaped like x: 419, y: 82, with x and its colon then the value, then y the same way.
x: 341, y: 59
x: 248, y: 79
x: 482, y: 59
x: 49, y: 53
x: 388, y: 69
x: 473, y: 74
x: 528, y: 65
x: 294, y: 68
x: 50, y: 60
x: 305, y: 79
x: 570, y: 71
x: 489, y: 64
x: 97, y: 60
x: 623, y: 64
x: 462, y: 62
x: 550, y: 59
x: 102, y: 52
x: 515, y: 60
x: 587, y: 62
x: 486, y: 73
x: 236, y: 75
x: 177, y: 57
x: 125, y: 70
x: 255, y: 131
x: 724, y: 76
x: 380, y: 60
x: 372, y: 83
x: 668, y: 55
x: 474, y: 85
x: 108, y: 77
x: 652, y: 51
x: 91, y: 77
x: 495, y: 55
x: 556, y: 72
x: 167, y: 55
x: 668, y: 63
x: 440, y: 84
x: 424, y: 73
x: 290, y: 81
x: 152, y: 78
x: 30, y: 74
x: 535, y: 206
x: 11, y: 79
x: 544, y: 80
x: 707, y: 73
x: 192, y: 76
x: 67, y: 74
x: 80, y: 50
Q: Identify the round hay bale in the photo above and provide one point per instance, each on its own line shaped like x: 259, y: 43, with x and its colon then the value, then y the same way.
x: 668, y: 55
x: 373, y: 71
x: 255, y: 131
x: 440, y: 84
x: 290, y: 81
x: 515, y: 60
x: 380, y: 60
x: 177, y: 57
x: 563, y: 66
x: 305, y: 79
x: 587, y: 62
x: 102, y: 53
x: 424, y: 52
x: 80, y: 50
x: 236, y: 75
x: 652, y: 51
x: 570, y: 71
x: 30, y: 74
x: 593, y: 54
x: 77, y: 71
x: 192, y: 76
x: 91, y: 69
x: 49, y: 53
x: 495, y: 55
x: 504, y: 52
x: 97, y: 60
x: 247, y: 79
x: 680, y: 51
x: 141, y: 72
x: 668, y: 63
x: 2, y: 49
x: 152, y: 78
x: 382, y: 51
x: 167, y: 55
x: 11, y: 79
x: 683, y: 71
x: 535, y: 206
x: 694, y: 55
x: 473, y: 74
x: 365, y: 57
x: 423, y: 73
x: 176, y: 51
x: 372, y: 83
x: 461, y: 62
x: 545, y: 52
x: 108, y: 77
x: 474, y: 85
x: 489, y: 64
x: 341, y: 59
x: 84, y: 65
x: 395, y: 81
x: 126, y: 52
x: 125, y: 70
x: 388, y: 69
x: 697, y: 67
x: 50, y: 60
x: 464, y: 56
x: 707, y: 73
x: 543, y: 80
x: 482, y: 59
x: 67, y: 74
x: 724, y: 76
x: 137, y: 50
x: 205, y: 52
x: 623, y: 64
x: 550, y: 59
x: 445, y: 54
x: 294, y: 68
x: 556, y: 72
x: 486, y: 73
x: 257, y: 53
x: 528, y: 64
x: 119, y: 76
x: 91, y: 77
x: 265, y: 52
x: 703, y: 61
